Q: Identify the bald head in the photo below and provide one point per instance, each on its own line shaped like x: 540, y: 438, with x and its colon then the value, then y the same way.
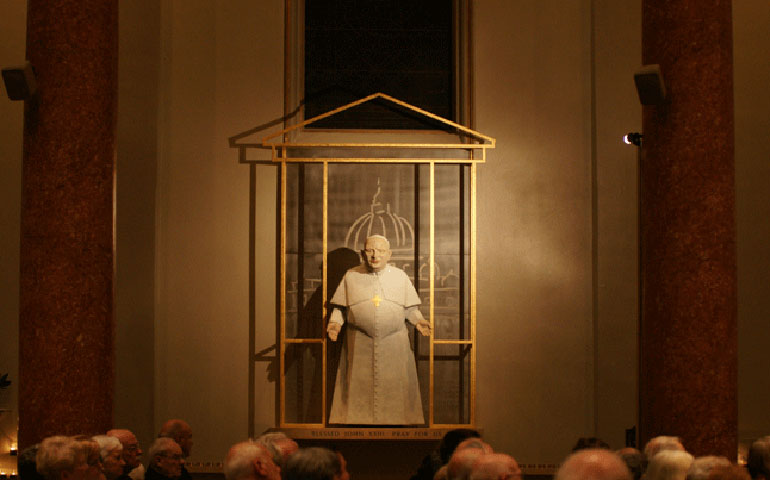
x: 495, y: 466
x: 131, y: 453
x: 593, y: 464
x: 250, y: 461
x: 180, y: 432
x: 461, y: 463
x: 475, y: 443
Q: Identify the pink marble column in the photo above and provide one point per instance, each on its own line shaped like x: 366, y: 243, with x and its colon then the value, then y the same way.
x: 66, y: 339
x: 688, y: 332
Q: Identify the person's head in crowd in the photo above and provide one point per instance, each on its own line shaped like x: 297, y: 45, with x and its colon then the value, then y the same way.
x: 180, y: 432
x: 461, y: 462
x: 758, y: 459
x: 634, y: 460
x: 28, y: 465
x: 660, y: 443
x: 110, y: 453
x: 131, y: 452
x: 668, y: 465
x: 165, y: 457
x: 701, y: 466
x: 93, y: 457
x: 729, y: 472
x: 64, y: 458
x: 440, y: 473
x: 281, y: 443
x: 589, y: 442
x: 250, y: 461
x: 452, y: 439
x: 474, y: 443
x: 593, y: 464
x: 315, y: 463
x: 495, y: 466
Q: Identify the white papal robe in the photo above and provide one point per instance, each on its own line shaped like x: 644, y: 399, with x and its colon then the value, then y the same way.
x: 377, y: 378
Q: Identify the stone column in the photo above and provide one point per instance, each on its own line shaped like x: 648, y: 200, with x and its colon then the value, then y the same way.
x: 66, y: 352
x: 688, y: 331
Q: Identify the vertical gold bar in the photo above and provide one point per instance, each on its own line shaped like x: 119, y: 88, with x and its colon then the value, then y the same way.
x: 323, y: 289
x: 432, y: 273
x: 282, y: 301
x: 473, y: 294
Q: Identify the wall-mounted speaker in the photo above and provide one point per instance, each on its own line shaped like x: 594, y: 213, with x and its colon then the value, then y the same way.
x: 650, y: 85
x: 19, y: 82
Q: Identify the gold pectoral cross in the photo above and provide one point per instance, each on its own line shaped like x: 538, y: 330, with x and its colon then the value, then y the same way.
x: 376, y: 300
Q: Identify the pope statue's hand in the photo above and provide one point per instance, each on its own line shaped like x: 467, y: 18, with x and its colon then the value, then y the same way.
x: 333, y: 330
x: 423, y: 326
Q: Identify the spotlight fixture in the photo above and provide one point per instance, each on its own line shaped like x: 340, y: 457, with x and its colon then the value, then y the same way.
x: 633, y: 138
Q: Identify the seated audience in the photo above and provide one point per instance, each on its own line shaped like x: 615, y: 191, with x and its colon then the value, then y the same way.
x: 133, y: 469
x: 634, y: 460
x: 438, y: 458
x: 181, y: 433
x: 165, y: 460
x: 758, y: 460
x: 669, y: 465
x: 110, y: 453
x: 66, y: 458
x: 315, y: 464
x: 466, y: 454
x: 281, y: 444
x: 250, y: 461
x: 593, y: 464
x: 495, y: 466
x: 701, y: 467
x: 660, y: 443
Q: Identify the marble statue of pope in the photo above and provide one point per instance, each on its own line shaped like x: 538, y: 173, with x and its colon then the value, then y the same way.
x: 377, y: 378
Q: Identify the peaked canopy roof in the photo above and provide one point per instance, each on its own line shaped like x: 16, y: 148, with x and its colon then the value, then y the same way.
x: 275, y: 140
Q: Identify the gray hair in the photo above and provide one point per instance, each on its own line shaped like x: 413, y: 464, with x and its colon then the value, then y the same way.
x: 58, y: 454
x: 314, y: 463
x: 661, y: 443
x: 669, y: 465
x: 238, y: 463
x: 107, y: 444
x: 159, y: 447
x: 271, y: 441
x: 702, y: 466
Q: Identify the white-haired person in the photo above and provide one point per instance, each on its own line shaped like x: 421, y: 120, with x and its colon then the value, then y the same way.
x: 132, y: 454
x: 165, y: 460
x: 66, y: 458
x: 661, y: 443
x: 250, y: 460
x: 702, y: 466
x: 668, y: 465
x: 111, y: 454
x: 280, y: 443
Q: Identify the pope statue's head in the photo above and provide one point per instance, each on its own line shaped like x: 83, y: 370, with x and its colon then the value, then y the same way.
x: 376, y: 252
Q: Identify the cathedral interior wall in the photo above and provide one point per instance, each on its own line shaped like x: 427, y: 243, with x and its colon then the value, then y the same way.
x: 553, y: 83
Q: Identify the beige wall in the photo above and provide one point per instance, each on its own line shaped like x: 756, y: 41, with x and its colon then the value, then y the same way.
x: 752, y: 176
x: 557, y: 223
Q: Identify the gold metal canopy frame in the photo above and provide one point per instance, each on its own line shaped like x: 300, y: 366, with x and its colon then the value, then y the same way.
x: 473, y: 143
